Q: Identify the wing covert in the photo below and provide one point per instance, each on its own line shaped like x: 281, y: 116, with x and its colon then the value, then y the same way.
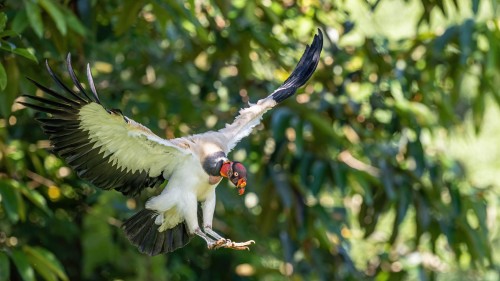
x: 103, y: 146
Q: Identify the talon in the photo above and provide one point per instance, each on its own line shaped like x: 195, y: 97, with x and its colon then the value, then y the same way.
x: 220, y: 243
x: 239, y: 245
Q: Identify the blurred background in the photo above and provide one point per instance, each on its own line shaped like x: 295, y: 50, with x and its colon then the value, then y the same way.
x: 383, y: 167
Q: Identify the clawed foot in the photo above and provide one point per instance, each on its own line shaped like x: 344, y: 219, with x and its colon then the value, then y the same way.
x: 217, y: 244
x: 226, y: 243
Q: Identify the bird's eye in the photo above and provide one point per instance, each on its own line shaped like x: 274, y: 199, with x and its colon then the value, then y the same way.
x: 235, y: 174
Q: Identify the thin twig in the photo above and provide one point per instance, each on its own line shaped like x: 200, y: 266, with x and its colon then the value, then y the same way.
x: 346, y: 157
x: 39, y: 179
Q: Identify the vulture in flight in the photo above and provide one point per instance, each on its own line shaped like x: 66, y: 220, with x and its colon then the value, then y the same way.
x: 113, y: 151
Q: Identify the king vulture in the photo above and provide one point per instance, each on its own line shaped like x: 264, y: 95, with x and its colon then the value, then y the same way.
x: 113, y: 151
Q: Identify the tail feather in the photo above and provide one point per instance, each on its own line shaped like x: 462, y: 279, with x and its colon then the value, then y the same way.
x: 142, y: 231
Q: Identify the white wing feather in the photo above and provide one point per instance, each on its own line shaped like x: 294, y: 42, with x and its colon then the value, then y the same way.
x: 250, y: 117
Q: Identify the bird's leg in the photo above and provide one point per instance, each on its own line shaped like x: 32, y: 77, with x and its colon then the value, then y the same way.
x: 208, y: 230
x: 208, y: 208
x: 210, y: 242
x: 191, y: 219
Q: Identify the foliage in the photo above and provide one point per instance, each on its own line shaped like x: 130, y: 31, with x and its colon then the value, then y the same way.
x: 348, y: 180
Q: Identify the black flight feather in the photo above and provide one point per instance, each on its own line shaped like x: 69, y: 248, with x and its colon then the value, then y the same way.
x: 62, y: 85
x: 70, y: 141
x: 74, y: 78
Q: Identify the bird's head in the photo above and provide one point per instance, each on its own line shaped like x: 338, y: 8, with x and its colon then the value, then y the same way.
x: 236, y: 173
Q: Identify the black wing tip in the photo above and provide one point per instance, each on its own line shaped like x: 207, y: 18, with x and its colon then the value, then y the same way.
x: 75, y: 79
x: 92, y: 85
x: 79, y: 97
x: 303, y: 71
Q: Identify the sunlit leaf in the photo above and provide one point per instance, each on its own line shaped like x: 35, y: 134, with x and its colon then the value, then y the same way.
x: 18, y: 51
x: 36, y: 198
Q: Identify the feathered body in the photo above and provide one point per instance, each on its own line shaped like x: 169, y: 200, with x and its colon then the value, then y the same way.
x: 114, y: 152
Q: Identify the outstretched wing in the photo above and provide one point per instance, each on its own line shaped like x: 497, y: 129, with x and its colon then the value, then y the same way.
x: 250, y: 117
x: 103, y: 146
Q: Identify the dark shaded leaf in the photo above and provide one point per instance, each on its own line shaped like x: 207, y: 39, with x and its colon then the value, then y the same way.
x: 45, y: 261
x: 466, y: 41
x: 22, y: 264
x: 10, y: 200
x: 4, y: 266
x: 129, y: 16
x: 56, y: 14
x: 34, y: 15
x: 3, y: 78
x: 3, y: 21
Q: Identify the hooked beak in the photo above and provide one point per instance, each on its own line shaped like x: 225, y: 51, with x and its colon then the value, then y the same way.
x: 241, y: 186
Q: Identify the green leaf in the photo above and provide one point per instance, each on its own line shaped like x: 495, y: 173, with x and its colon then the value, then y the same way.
x: 20, y: 22
x: 128, y: 15
x: 3, y: 21
x: 478, y: 108
x: 10, y: 200
x: 282, y: 186
x: 36, y: 198
x: 318, y: 172
x: 339, y: 175
x: 45, y: 263
x: 299, y: 137
x: 56, y: 14
x: 475, y: 6
x: 4, y: 45
x: 8, y: 33
x: 387, y: 179
x: 11, y: 91
x: 34, y: 17
x: 74, y: 23
x: 3, y: 78
x: 280, y: 120
x: 466, y: 40
x: 4, y: 266
x: 25, y: 53
x: 22, y: 265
